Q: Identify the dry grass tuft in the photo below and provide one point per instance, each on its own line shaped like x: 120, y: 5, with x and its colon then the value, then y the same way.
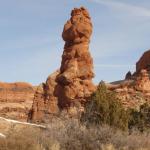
x: 69, y: 134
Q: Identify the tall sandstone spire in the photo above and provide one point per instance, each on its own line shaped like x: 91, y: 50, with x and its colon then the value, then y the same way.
x: 72, y: 84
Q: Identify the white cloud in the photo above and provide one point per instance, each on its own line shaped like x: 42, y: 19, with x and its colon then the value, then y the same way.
x: 131, y: 9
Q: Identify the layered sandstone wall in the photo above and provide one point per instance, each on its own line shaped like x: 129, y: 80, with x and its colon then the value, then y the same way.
x: 134, y: 91
x: 16, y: 100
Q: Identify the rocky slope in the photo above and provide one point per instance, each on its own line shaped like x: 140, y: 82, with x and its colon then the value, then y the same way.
x: 16, y: 100
x: 71, y: 85
x: 133, y: 91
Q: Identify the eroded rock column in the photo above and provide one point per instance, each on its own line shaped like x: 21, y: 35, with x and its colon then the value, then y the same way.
x: 71, y: 85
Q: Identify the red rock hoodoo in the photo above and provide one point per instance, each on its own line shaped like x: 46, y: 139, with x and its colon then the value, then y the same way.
x: 72, y: 84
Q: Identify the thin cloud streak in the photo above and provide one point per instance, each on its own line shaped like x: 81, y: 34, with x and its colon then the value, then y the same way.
x: 113, y: 66
x: 132, y: 10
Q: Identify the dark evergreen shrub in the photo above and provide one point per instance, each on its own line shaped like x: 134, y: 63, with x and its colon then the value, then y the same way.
x: 104, y: 108
x: 140, y: 119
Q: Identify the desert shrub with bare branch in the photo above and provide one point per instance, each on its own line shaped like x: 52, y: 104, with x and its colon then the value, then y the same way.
x: 64, y: 133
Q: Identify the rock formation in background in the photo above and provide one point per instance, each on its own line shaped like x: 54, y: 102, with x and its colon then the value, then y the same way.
x: 128, y: 76
x: 45, y: 102
x: 72, y: 85
x: 144, y: 62
x: 142, y: 82
x: 16, y: 100
x: 135, y: 89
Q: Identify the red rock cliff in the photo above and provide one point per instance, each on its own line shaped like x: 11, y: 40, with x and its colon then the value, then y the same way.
x: 135, y: 89
x: 72, y: 84
x: 16, y: 100
x: 144, y: 62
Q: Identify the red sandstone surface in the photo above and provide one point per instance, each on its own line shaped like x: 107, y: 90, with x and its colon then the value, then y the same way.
x: 134, y: 91
x: 144, y: 62
x: 72, y: 84
x: 16, y: 100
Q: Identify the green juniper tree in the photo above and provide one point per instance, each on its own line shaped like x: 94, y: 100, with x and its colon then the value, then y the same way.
x: 105, y: 108
x: 140, y: 119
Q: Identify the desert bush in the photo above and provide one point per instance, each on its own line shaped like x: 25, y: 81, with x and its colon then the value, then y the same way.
x: 105, y: 108
x: 70, y: 134
x: 140, y: 119
x: 28, y: 138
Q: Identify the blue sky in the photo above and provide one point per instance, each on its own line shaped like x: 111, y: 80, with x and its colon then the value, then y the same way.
x: 31, y: 45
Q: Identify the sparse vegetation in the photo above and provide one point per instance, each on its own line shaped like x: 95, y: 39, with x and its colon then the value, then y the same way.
x: 105, y: 108
x: 140, y: 119
x: 103, y: 126
x: 69, y: 134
